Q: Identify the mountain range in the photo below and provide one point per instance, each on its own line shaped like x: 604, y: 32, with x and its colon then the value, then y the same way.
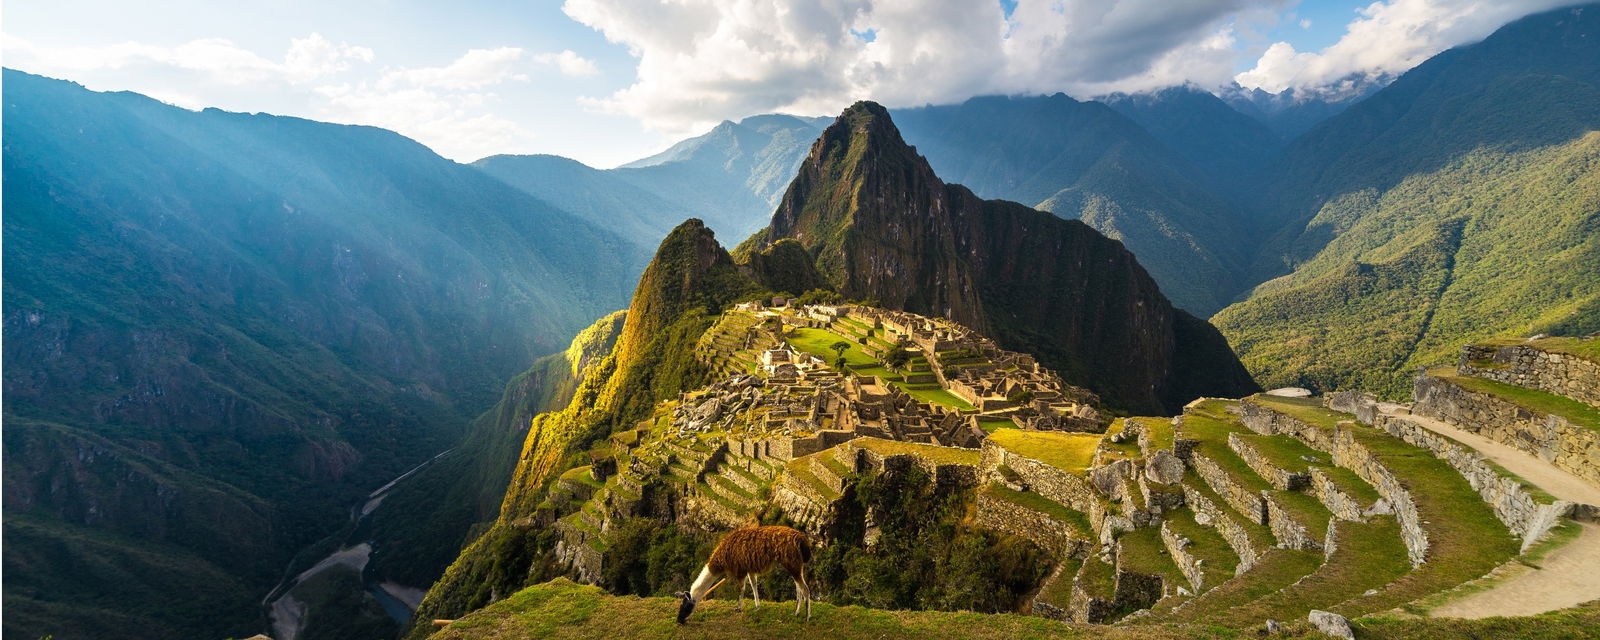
x: 224, y: 329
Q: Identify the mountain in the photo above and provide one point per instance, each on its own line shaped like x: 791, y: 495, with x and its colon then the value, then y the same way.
x: 222, y: 330
x: 596, y: 195
x: 1228, y: 147
x: 1457, y: 203
x: 730, y: 177
x: 1289, y: 113
x: 881, y: 226
x: 1086, y: 161
x: 682, y: 292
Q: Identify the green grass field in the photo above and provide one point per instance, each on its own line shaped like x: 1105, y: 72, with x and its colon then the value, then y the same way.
x: 1066, y: 451
x: 934, y: 453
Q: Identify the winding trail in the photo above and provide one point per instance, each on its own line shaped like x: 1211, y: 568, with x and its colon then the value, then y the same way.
x: 1567, y: 576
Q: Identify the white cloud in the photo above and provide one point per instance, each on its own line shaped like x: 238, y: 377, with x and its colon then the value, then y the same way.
x: 475, y: 69
x: 1305, y: 23
x: 701, y: 61
x: 308, y: 59
x: 1388, y: 37
x: 569, y: 63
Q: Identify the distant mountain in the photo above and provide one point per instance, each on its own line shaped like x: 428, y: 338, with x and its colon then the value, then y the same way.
x: 882, y: 226
x: 1290, y: 113
x: 222, y: 330
x: 1458, y: 203
x: 1086, y: 161
x: 731, y: 177
x: 1228, y: 147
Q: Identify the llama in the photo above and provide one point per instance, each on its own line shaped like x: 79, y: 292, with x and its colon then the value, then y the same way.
x: 747, y: 553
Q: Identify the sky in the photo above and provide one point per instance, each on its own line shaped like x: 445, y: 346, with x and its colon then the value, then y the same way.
x: 609, y: 81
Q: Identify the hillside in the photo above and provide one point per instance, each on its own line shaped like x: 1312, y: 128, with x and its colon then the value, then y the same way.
x: 1457, y: 203
x: 562, y: 609
x: 223, y: 330
x: 882, y: 227
x: 730, y: 177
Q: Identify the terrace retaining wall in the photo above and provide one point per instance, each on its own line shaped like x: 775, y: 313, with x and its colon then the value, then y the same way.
x: 1534, y: 368
x: 1571, y: 448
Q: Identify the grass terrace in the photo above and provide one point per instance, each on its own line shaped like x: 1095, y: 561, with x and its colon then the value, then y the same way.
x: 581, y: 475
x: 1126, y: 449
x: 1276, y: 570
x: 990, y: 425
x: 1288, y: 453
x: 819, y: 342
x: 1059, y: 591
x: 1144, y: 552
x: 1465, y: 539
x: 1260, y: 536
x: 1218, y: 559
x: 1307, y: 410
x: 1070, y: 452
x: 800, y: 469
x: 1579, y: 413
x: 933, y: 453
x: 1041, y: 504
x: 1159, y: 430
x: 1370, y: 555
x: 1587, y: 349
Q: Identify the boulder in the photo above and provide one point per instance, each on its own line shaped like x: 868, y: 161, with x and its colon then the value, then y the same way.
x: 1332, y: 624
x: 1163, y: 467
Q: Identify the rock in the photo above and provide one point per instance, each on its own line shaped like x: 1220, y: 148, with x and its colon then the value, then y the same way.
x: 1290, y: 392
x: 1380, y: 508
x: 1184, y: 592
x: 1332, y: 624
x: 1273, y: 627
x: 1164, y: 468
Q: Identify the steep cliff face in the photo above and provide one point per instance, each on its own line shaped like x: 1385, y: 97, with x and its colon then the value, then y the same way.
x: 881, y: 226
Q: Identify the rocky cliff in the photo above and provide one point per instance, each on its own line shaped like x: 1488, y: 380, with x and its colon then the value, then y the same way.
x: 881, y: 226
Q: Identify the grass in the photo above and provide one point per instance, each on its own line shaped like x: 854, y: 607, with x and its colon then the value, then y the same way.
x: 581, y: 475
x: 1212, y: 435
x: 1069, y: 452
x: 1288, y: 453
x: 1159, y: 430
x: 1466, y: 541
x: 1579, y: 413
x: 932, y: 453
x: 801, y: 470
x: 1559, y: 536
x: 1207, y: 545
x: 1587, y: 349
x: 937, y: 396
x: 1260, y: 536
x: 1033, y: 501
x: 1098, y: 578
x: 1276, y: 570
x: 819, y: 342
x: 1142, y: 551
x: 1059, y: 591
x: 990, y: 425
x: 1370, y: 555
x: 565, y: 610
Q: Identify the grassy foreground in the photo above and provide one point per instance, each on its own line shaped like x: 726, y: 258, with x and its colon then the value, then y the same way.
x: 563, y: 609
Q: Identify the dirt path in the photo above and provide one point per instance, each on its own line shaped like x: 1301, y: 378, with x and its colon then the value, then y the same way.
x: 1567, y: 576
x: 1546, y: 476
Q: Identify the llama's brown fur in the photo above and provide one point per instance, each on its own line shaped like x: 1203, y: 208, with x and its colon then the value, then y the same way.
x: 753, y: 550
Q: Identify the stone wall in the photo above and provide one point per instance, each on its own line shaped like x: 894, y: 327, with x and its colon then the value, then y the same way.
x: 1044, y: 479
x: 1280, y: 478
x: 1213, y: 515
x: 1569, y: 447
x: 1343, y: 505
x: 1248, y: 503
x: 1513, y: 504
x: 1291, y: 533
x: 1178, y: 547
x: 1531, y: 367
x: 1347, y: 452
x: 1049, y: 533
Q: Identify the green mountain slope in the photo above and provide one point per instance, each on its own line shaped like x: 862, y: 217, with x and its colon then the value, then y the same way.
x: 1490, y: 245
x: 1457, y: 203
x: 683, y: 291
x: 228, y: 328
x: 881, y: 226
x: 1228, y: 147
